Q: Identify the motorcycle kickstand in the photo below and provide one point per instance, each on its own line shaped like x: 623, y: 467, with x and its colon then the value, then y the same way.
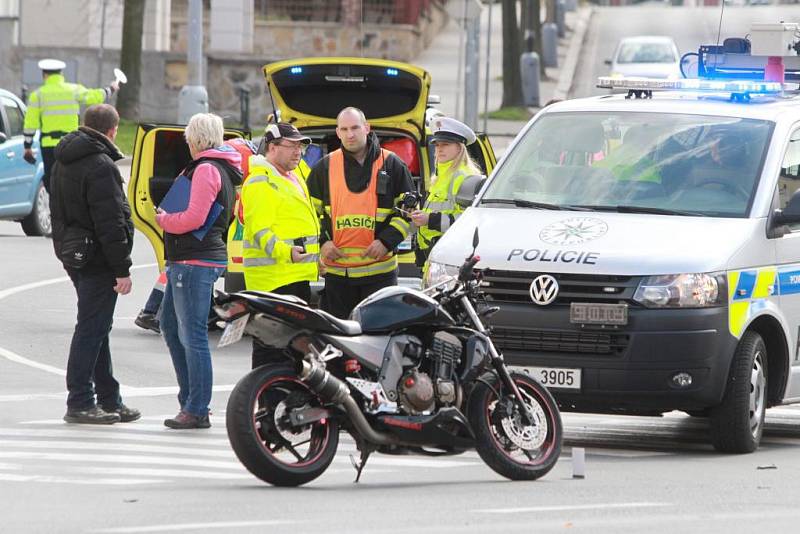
x: 362, y: 462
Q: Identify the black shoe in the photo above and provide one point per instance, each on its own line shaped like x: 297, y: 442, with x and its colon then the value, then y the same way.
x: 147, y: 321
x: 185, y: 420
x: 93, y: 416
x: 126, y: 415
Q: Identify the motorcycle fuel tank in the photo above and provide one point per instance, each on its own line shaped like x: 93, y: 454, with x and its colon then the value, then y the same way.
x: 394, y: 308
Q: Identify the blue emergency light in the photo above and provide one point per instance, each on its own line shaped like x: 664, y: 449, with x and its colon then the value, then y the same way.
x: 392, y: 72
x: 296, y: 70
x: 740, y: 90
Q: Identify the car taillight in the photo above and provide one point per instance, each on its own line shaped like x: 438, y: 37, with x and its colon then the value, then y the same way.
x: 232, y: 310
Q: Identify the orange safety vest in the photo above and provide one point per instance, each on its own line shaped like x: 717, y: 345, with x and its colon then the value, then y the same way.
x: 353, y: 215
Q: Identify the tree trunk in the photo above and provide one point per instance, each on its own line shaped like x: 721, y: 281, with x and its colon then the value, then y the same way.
x: 532, y: 25
x: 512, y: 83
x: 131, y: 59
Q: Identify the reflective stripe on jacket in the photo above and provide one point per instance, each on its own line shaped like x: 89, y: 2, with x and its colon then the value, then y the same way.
x: 353, y: 219
x: 54, y: 108
x: 442, y: 199
x: 277, y: 216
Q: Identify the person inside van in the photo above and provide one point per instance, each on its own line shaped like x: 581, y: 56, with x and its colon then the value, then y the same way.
x: 453, y: 163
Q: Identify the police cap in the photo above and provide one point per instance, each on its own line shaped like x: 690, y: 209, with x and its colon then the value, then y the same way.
x: 447, y: 129
x: 52, y: 64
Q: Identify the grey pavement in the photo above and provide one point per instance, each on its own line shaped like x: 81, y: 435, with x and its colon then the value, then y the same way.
x: 441, y: 59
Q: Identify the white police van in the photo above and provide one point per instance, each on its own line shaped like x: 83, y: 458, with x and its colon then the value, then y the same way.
x: 644, y: 253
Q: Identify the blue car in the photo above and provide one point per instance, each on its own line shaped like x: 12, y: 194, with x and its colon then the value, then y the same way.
x: 22, y: 194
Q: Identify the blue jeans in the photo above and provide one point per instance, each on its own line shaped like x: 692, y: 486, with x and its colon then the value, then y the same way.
x: 184, y: 312
x: 89, y: 368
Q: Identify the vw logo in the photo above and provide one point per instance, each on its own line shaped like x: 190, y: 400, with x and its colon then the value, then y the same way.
x: 543, y: 290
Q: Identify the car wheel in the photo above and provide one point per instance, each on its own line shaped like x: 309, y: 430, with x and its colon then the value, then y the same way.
x: 738, y: 422
x: 38, y: 220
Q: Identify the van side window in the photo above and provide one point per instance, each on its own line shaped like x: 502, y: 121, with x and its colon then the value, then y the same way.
x: 789, y: 180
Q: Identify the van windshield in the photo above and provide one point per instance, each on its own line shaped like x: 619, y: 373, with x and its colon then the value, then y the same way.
x: 647, y: 162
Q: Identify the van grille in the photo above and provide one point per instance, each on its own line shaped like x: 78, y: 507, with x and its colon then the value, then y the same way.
x: 605, y: 343
x: 513, y: 286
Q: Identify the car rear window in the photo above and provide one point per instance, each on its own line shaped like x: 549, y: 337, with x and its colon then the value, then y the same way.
x: 324, y: 90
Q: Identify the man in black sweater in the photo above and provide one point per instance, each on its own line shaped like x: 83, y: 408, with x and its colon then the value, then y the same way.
x: 355, y: 189
x: 89, y: 207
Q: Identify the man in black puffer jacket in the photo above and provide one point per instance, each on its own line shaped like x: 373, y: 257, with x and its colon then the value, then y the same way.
x: 87, y: 200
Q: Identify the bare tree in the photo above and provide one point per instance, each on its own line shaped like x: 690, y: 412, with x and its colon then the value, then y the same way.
x: 131, y: 58
x: 512, y: 82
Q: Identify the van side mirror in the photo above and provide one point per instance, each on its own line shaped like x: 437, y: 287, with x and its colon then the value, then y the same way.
x: 3, y: 138
x: 790, y: 214
x: 468, y: 189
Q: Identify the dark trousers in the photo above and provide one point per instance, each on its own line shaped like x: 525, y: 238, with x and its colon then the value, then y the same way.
x: 343, y: 294
x: 89, y: 368
x: 263, y: 353
x: 48, y: 158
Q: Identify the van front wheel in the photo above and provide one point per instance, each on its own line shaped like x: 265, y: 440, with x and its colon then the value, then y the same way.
x: 738, y: 422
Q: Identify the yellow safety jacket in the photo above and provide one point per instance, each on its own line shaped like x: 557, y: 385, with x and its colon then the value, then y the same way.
x: 442, y: 199
x: 54, y: 108
x: 277, y: 216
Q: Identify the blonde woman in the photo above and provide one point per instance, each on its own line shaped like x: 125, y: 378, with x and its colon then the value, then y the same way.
x: 196, y: 257
x: 450, y: 139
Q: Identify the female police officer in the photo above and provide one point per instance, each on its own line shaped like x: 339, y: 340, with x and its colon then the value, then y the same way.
x: 450, y: 139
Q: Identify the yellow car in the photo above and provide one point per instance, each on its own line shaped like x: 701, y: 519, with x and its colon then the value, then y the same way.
x: 308, y: 93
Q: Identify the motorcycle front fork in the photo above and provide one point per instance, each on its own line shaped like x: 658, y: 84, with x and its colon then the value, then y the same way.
x: 497, y: 362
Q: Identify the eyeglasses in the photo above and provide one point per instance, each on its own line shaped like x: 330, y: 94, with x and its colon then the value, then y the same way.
x: 294, y: 146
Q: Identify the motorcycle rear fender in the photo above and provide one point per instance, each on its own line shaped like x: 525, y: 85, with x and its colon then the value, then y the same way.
x: 271, y: 331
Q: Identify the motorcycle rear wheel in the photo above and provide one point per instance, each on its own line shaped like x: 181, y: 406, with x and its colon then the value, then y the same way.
x: 258, y: 427
x: 511, y: 448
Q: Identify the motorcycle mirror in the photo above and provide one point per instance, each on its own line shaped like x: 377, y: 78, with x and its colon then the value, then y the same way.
x: 120, y: 76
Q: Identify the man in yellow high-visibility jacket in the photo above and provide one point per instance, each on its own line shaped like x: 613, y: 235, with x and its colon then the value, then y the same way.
x: 54, y: 109
x: 281, y: 227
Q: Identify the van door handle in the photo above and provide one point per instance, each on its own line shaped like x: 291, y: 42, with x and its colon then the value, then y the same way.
x: 10, y: 155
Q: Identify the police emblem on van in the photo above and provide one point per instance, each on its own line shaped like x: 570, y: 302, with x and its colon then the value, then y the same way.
x: 543, y: 290
x: 573, y: 231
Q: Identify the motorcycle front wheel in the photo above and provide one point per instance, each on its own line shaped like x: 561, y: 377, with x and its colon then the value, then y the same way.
x: 512, y: 448
x: 262, y: 436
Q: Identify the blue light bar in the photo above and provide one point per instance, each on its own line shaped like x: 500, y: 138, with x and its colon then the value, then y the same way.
x: 690, y: 84
x: 392, y: 72
x: 296, y: 70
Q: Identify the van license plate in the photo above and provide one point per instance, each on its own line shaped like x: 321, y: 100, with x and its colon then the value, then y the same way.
x: 613, y: 314
x: 557, y: 377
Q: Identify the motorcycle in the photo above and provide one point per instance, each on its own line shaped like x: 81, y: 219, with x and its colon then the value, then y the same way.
x: 411, y: 372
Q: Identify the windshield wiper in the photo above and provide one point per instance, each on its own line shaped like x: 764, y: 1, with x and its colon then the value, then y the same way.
x: 521, y: 203
x: 646, y: 209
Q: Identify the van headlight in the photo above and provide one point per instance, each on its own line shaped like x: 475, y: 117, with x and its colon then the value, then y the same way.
x: 690, y: 290
x: 437, y: 272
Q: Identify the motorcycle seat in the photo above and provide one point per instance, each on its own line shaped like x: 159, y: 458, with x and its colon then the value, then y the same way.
x: 349, y: 328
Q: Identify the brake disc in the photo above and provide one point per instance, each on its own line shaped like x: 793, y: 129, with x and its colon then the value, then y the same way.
x: 526, y: 437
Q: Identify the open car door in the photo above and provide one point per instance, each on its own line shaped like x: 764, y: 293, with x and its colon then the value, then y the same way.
x: 160, y: 152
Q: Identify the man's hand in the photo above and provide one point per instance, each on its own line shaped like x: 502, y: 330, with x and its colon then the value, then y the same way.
x: 420, y: 218
x: 376, y: 250
x: 330, y: 252
x: 29, y: 157
x: 114, y: 86
x: 298, y: 254
x: 123, y: 286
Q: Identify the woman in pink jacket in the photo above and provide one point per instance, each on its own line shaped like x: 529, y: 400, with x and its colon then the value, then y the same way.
x: 194, y: 262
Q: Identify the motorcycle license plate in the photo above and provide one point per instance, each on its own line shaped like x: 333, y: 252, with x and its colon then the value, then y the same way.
x: 233, y: 331
x: 611, y: 314
x: 557, y: 377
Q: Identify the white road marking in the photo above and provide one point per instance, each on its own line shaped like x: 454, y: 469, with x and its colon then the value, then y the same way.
x: 571, y: 507
x: 8, y: 477
x: 100, y: 435
x: 155, y: 472
x: 121, y: 459
x: 195, y: 526
x: 129, y: 447
x: 16, y: 358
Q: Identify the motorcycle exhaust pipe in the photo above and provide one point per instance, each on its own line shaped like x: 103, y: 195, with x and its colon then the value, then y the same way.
x: 331, y: 389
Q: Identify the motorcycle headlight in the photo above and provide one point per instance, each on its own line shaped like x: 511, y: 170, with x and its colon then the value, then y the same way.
x: 688, y: 290
x: 438, y: 272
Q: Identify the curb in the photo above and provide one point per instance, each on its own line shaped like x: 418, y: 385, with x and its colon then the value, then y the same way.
x: 567, y: 73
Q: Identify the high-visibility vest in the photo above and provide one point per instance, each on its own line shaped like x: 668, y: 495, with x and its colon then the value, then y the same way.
x: 442, y: 199
x: 353, y: 219
x: 54, y: 108
x: 277, y: 216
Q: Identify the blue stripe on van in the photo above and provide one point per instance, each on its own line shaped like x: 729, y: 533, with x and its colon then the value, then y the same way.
x: 744, y: 289
x: 789, y: 282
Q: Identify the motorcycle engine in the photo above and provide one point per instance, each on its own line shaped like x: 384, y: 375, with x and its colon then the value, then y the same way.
x: 416, y: 392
